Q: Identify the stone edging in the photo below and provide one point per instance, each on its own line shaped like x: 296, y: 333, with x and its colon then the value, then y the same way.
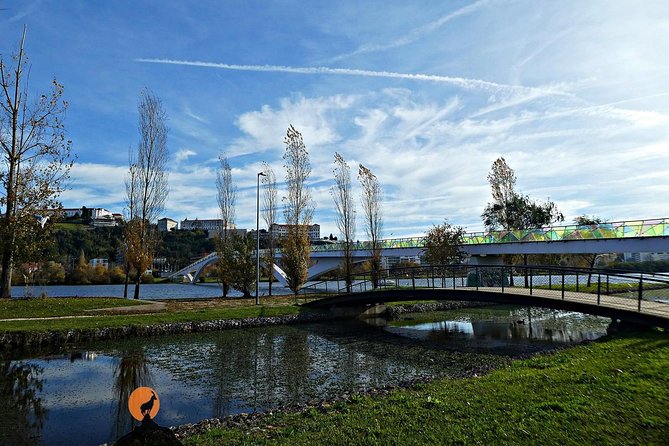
x: 31, y: 340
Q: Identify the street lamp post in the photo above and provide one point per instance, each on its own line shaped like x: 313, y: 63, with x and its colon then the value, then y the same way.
x: 258, y: 237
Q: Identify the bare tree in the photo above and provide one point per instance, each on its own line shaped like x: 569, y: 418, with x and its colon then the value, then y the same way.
x: 227, y: 198
x: 146, y: 185
x: 270, y: 202
x: 36, y: 157
x: 371, y: 205
x: 345, y: 218
x: 299, y: 208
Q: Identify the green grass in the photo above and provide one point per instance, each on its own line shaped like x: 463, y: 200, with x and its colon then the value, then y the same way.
x: 76, y: 308
x: 614, y: 392
x: 55, y: 307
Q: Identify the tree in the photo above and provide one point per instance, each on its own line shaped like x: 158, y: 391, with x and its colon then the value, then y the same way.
x: 502, y: 181
x: 371, y: 206
x: 512, y: 210
x: 238, y: 261
x: 270, y: 201
x: 36, y: 156
x: 443, y: 243
x: 299, y: 208
x: 345, y: 218
x: 146, y: 185
x: 227, y: 197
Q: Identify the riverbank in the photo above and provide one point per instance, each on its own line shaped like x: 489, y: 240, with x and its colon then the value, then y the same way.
x: 611, y: 391
x: 72, y: 321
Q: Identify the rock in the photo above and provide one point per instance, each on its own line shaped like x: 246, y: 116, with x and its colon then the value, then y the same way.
x: 149, y: 434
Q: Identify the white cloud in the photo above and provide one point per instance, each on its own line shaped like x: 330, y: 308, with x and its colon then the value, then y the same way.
x: 183, y: 155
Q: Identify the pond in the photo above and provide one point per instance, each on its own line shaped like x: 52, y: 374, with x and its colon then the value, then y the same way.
x: 79, y: 395
x: 147, y: 291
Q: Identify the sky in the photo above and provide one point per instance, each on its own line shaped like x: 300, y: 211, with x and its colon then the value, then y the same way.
x: 573, y: 94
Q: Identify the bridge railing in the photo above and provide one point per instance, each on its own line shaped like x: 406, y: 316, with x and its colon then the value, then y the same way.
x: 657, y: 227
x: 636, y: 291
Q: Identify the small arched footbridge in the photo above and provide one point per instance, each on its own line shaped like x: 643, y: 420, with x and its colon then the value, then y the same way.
x: 632, y: 297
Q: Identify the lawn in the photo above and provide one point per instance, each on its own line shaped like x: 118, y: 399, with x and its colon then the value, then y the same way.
x: 610, y: 392
x: 177, y: 311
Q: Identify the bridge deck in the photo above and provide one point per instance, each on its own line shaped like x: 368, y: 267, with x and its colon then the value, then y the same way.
x: 624, y: 306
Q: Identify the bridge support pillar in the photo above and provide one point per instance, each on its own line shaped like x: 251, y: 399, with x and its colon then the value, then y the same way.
x: 361, y: 312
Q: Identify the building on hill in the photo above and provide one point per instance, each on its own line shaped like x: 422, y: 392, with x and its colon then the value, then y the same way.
x: 280, y: 231
x: 96, y: 262
x: 167, y: 224
x: 213, y: 224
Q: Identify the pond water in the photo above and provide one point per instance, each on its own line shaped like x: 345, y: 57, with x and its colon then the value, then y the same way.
x: 147, y: 291
x: 79, y: 395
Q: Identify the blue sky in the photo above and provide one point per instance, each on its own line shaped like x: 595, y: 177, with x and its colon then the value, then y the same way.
x: 574, y: 95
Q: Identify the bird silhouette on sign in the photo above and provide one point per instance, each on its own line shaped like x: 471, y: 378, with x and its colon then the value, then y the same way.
x: 146, y: 408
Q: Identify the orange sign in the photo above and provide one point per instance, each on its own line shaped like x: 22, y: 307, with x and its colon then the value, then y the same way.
x: 143, y: 401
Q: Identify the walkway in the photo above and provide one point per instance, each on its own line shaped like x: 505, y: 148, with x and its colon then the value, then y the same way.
x: 633, y: 297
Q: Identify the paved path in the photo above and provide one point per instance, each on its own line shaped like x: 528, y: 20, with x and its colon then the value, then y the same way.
x: 618, y: 301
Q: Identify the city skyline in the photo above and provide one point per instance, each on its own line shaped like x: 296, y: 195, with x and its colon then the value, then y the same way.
x: 426, y: 95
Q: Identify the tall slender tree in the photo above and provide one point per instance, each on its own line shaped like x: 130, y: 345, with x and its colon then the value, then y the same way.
x: 371, y: 205
x: 146, y: 185
x: 345, y: 218
x: 227, y: 198
x: 270, y: 202
x: 36, y: 156
x: 299, y: 208
x: 502, y: 181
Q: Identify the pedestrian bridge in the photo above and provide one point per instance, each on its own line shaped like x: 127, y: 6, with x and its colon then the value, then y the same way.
x: 631, y: 297
x: 651, y: 235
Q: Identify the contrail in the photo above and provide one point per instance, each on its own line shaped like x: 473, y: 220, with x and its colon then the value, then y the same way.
x: 465, y: 83
x: 417, y: 33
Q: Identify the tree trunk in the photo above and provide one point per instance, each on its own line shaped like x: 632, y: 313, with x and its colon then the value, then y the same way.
x: 127, y: 279
x: 138, y: 280
x: 7, y: 274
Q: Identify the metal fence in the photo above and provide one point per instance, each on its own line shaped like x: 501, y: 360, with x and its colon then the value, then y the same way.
x: 629, y: 291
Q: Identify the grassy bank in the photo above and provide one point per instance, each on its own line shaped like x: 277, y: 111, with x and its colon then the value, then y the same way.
x: 192, y: 311
x: 608, y: 392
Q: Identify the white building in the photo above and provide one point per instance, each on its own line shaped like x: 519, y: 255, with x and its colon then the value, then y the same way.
x: 213, y: 224
x: 167, y: 225
x: 280, y: 231
x: 96, y: 262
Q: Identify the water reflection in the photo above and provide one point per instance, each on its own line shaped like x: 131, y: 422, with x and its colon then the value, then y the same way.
x: 515, y: 325
x: 208, y: 375
x: 130, y: 372
x: 21, y: 410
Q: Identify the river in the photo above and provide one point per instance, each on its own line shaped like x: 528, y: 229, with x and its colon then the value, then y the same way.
x: 78, y: 395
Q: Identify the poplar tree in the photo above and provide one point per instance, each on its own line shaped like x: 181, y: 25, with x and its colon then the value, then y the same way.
x: 345, y: 217
x: 36, y: 157
x: 146, y: 185
x: 227, y: 198
x: 269, y: 210
x: 371, y: 206
x: 299, y: 208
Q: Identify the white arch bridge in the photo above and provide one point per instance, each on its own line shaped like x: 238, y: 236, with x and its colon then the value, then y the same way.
x: 650, y: 235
